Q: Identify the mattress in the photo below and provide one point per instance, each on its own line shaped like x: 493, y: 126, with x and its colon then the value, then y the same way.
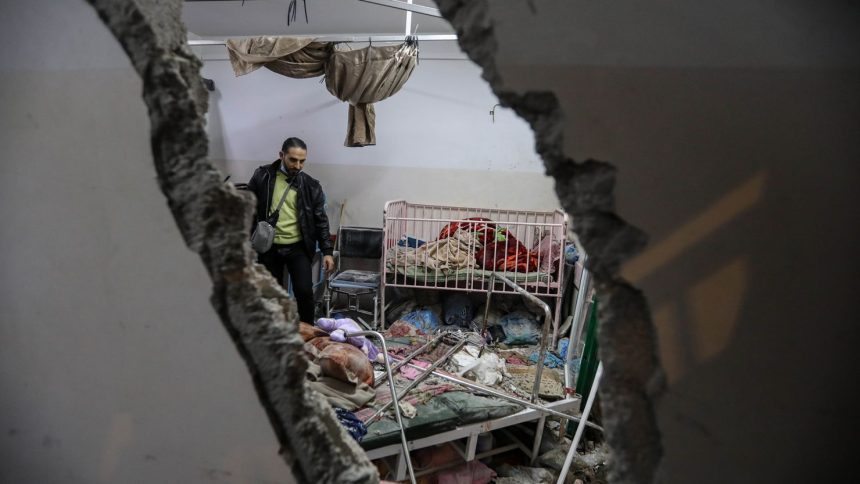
x: 441, y: 413
x: 423, y: 275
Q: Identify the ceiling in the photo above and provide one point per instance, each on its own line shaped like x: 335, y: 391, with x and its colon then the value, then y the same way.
x: 325, y: 17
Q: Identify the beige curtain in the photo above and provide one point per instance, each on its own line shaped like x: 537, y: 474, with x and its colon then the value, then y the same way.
x: 364, y: 76
x: 360, y: 77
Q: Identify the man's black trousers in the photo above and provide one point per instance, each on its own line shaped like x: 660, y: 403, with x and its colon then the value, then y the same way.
x: 298, y: 265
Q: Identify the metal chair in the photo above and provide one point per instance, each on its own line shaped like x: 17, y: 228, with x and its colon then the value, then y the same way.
x: 359, y: 243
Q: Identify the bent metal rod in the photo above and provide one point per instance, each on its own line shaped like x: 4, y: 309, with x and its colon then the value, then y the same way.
x: 481, y: 388
x: 417, y: 381
x: 407, y: 359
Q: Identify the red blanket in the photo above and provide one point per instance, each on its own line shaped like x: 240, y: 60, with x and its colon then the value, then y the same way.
x: 500, y: 250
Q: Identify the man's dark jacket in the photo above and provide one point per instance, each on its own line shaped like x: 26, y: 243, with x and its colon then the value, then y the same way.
x: 310, y: 206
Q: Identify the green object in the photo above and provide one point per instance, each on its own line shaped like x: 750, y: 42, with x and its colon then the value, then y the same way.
x: 288, y: 223
x: 439, y: 414
x: 589, y: 361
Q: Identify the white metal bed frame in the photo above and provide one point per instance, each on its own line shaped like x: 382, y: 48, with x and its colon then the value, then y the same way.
x: 402, y: 219
x: 470, y: 432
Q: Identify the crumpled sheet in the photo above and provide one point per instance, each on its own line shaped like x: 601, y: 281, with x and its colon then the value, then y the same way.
x: 484, y: 228
x: 449, y: 254
x: 502, y: 255
x: 426, y: 319
x: 355, y: 427
x: 412, y: 373
x: 549, y: 360
x: 489, y: 369
x: 349, y: 396
x: 548, y: 250
x: 401, y: 328
x: 408, y: 410
x: 419, y: 395
x: 520, y: 328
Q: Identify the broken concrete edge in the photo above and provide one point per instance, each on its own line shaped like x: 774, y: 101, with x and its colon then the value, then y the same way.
x: 627, y: 340
x: 213, y: 219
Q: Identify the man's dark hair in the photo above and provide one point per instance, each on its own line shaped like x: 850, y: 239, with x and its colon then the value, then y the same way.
x: 293, y: 143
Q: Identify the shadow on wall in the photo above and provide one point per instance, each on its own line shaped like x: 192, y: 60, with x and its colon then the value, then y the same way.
x: 745, y: 180
x: 710, y: 306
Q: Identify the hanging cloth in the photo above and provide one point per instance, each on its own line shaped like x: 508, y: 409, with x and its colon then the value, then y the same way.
x: 365, y: 76
x: 360, y: 77
x: 249, y: 54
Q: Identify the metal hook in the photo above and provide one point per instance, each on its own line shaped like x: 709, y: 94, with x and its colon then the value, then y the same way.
x: 493, y: 112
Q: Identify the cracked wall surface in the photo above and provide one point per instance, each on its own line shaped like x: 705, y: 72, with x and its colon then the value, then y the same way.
x: 734, y: 148
x: 708, y: 116
x: 585, y: 189
x: 213, y: 219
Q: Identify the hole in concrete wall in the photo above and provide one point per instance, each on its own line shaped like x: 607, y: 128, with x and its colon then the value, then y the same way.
x: 633, y: 378
x: 261, y: 319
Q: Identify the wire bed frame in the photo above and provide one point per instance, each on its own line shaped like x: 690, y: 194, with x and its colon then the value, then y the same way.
x: 540, y: 234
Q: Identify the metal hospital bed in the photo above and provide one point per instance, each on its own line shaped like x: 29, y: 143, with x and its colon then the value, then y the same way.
x: 405, y: 224
x: 465, y: 437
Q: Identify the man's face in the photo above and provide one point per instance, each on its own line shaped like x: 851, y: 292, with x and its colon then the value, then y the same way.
x: 294, y: 160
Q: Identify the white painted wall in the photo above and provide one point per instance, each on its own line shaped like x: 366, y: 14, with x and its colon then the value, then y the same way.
x: 436, y: 140
x: 113, y: 367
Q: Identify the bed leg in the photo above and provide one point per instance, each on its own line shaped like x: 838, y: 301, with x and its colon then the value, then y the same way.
x: 381, y: 296
x: 375, y: 312
x: 471, y: 446
x: 555, y: 321
x: 538, y: 439
x: 400, y: 471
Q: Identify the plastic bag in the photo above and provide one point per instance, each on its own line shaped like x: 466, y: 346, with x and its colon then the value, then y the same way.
x: 549, y: 360
x: 458, y: 309
x: 487, y: 370
x: 520, y: 328
x: 398, y: 309
x: 562, y: 347
x: 424, y: 319
x: 571, y: 255
x: 493, y: 317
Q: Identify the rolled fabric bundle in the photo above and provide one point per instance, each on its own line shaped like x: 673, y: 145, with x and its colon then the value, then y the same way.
x: 346, y: 363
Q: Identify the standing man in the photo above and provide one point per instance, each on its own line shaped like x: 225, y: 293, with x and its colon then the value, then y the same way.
x: 301, y: 224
